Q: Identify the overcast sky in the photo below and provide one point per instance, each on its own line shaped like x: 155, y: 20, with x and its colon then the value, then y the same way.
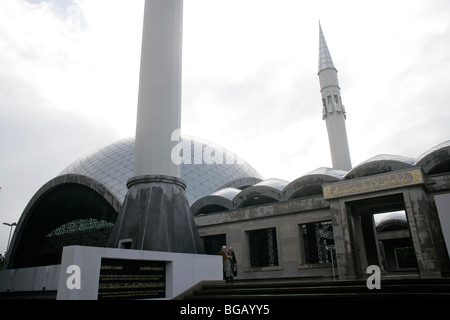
x: 69, y: 74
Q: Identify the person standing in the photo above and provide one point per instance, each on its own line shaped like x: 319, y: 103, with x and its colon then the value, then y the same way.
x: 226, y: 263
x: 233, y: 265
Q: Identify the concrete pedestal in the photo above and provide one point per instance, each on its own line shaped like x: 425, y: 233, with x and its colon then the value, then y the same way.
x: 182, y: 271
x: 156, y: 216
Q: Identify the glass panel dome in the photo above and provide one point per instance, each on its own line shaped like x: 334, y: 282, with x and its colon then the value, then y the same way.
x: 112, y: 166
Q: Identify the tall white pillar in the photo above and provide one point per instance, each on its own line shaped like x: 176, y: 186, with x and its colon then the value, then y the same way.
x: 155, y: 214
x: 333, y: 110
x: 159, y: 104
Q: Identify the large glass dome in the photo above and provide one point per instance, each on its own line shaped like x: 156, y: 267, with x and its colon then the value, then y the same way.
x: 112, y: 166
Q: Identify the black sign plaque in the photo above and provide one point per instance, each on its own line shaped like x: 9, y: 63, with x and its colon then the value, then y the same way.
x: 131, y: 279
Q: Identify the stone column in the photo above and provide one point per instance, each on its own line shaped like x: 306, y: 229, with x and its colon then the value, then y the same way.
x: 345, y: 254
x: 426, y: 238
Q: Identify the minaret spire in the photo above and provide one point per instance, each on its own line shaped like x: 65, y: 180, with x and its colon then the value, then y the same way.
x: 333, y: 110
x: 325, y: 60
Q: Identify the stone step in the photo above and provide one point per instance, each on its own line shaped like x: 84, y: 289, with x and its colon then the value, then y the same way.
x: 323, y: 296
x: 297, y: 288
x: 317, y: 290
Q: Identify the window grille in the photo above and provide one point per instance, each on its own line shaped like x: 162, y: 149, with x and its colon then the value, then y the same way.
x: 406, y: 257
x: 318, y: 237
x: 263, y: 248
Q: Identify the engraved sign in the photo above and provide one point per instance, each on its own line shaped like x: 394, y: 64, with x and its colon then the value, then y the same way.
x: 374, y: 183
x: 132, y: 279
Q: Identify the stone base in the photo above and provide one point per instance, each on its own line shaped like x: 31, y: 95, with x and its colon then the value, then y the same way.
x: 182, y: 271
x: 156, y: 216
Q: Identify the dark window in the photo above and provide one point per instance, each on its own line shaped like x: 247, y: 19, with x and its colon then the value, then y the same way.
x: 318, y: 239
x: 406, y: 257
x: 263, y: 248
x: 213, y: 244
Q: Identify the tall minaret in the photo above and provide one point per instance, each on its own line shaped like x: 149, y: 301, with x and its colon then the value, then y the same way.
x: 333, y: 110
x: 155, y: 214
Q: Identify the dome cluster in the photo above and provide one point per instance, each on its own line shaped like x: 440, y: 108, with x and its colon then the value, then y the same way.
x: 80, y: 206
x: 434, y: 161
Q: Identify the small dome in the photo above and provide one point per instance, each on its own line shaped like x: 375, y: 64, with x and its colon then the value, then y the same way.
x: 436, y: 160
x: 391, y: 221
x: 380, y: 164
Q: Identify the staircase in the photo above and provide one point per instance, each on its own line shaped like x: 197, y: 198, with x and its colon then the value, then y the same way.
x: 298, y: 289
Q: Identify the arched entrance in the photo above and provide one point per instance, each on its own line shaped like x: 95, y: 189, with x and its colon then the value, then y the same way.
x: 69, y: 210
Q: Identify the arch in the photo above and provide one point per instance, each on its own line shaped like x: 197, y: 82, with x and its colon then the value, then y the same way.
x: 219, y: 201
x: 211, y: 204
x: 266, y: 191
x: 311, y: 183
x: 436, y: 160
x: 379, y: 164
x: 68, y: 210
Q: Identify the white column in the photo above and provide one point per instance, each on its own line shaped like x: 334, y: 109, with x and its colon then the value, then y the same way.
x: 155, y: 214
x: 159, y: 104
x: 333, y: 110
x: 337, y: 136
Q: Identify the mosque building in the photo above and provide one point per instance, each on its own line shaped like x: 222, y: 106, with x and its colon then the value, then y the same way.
x: 390, y: 211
